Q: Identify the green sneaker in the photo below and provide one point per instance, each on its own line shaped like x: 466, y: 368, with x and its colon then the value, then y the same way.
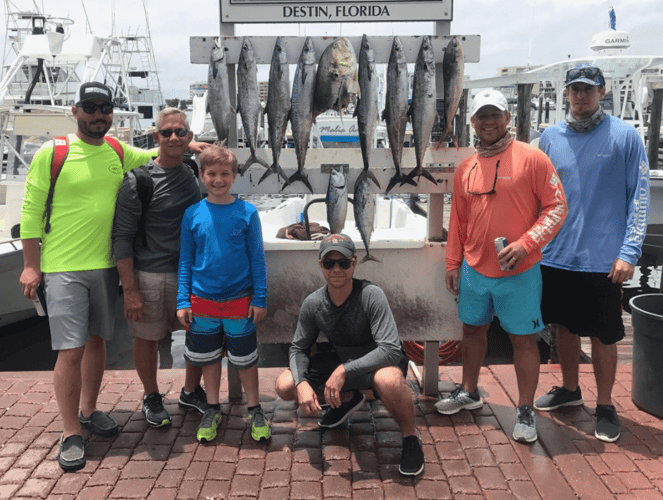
x: 259, y: 425
x: 208, y: 425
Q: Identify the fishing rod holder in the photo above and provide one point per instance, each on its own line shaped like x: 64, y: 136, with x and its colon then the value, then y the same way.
x: 306, y: 222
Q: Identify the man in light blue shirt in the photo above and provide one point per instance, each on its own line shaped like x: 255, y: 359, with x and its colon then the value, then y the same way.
x: 603, y: 166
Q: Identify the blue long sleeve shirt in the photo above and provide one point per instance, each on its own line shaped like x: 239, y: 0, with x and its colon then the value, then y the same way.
x: 605, y: 174
x: 221, y: 253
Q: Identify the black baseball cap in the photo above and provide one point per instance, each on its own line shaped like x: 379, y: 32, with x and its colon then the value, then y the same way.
x: 93, y: 90
x: 339, y: 243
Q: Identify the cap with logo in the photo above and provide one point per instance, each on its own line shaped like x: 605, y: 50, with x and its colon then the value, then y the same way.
x: 489, y: 97
x: 585, y: 73
x: 93, y: 90
x: 337, y: 242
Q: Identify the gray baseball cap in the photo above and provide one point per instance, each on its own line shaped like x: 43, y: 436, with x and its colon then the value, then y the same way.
x: 337, y: 242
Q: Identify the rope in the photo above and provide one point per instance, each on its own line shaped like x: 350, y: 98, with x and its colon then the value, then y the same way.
x: 449, y: 352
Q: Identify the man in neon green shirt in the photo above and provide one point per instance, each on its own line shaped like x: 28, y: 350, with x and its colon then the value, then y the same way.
x: 75, y: 262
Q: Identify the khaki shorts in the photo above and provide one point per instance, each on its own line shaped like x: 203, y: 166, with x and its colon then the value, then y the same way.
x: 159, y: 291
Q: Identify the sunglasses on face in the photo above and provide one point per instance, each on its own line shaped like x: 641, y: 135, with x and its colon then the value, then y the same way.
x: 91, y: 108
x: 167, y: 132
x: 469, y: 175
x: 589, y: 73
x: 330, y: 263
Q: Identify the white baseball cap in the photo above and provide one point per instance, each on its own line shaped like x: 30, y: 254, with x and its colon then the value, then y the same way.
x: 489, y: 97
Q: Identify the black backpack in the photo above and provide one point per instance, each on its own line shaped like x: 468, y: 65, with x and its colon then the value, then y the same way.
x: 145, y: 189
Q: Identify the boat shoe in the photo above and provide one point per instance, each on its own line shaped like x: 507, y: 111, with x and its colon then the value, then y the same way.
x: 72, y: 453
x: 99, y: 423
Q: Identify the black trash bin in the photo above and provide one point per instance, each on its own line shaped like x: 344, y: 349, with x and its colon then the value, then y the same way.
x: 647, y: 385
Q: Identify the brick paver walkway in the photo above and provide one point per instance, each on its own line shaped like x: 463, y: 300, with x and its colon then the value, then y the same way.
x: 468, y: 455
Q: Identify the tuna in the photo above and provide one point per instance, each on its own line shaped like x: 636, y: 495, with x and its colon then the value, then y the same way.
x: 218, y: 94
x: 364, y: 210
x: 336, y: 81
x: 248, y: 101
x: 278, y: 106
x: 422, y: 111
x: 337, y: 200
x: 453, y: 66
x: 301, y: 111
x: 396, y: 106
x: 366, y: 109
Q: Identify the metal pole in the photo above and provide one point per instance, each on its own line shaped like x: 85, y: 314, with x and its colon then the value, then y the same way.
x: 654, y: 129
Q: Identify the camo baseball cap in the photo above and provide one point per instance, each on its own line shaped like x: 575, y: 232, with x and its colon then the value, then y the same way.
x: 337, y: 242
x: 93, y: 90
x: 585, y: 73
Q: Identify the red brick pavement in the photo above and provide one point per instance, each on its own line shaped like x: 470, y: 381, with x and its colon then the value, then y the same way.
x: 468, y: 455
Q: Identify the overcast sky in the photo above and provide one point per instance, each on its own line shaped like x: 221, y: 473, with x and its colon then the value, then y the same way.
x: 513, y: 32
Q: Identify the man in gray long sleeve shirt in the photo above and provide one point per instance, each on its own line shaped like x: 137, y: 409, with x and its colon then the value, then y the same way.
x: 365, y: 353
x: 147, y: 258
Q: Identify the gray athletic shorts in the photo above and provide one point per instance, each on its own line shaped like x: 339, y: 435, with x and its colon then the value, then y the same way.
x: 80, y: 304
x: 159, y: 292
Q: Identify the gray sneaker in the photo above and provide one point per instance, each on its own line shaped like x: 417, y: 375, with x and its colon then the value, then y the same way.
x: 557, y: 397
x: 458, y: 400
x: 525, y: 428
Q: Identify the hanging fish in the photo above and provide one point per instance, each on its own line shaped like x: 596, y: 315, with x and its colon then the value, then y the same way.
x: 248, y: 101
x: 218, y: 94
x: 422, y: 111
x: 278, y: 106
x: 301, y: 110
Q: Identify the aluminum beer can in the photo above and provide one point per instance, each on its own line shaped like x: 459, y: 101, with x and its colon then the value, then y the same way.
x: 501, y: 244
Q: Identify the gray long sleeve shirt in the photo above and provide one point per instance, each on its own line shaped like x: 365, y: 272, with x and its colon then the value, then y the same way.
x: 175, y: 189
x: 362, y: 330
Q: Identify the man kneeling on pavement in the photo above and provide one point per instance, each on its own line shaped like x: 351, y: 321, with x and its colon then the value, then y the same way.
x: 364, y: 352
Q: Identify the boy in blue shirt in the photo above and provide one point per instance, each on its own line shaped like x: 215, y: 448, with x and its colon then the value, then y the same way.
x: 222, y: 288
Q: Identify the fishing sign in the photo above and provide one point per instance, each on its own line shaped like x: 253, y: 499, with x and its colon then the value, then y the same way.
x: 317, y: 11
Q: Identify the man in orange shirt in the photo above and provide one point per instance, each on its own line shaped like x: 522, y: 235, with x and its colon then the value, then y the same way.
x: 507, y: 189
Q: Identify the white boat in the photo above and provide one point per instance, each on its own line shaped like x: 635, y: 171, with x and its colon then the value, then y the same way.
x: 43, y: 66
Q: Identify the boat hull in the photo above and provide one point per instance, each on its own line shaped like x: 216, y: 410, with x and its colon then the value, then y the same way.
x: 653, y: 244
x: 13, y: 306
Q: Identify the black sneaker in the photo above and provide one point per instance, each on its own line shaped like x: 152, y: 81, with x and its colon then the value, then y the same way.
x: 412, y: 457
x: 557, y: 397
x: 336, y: 416
x: 607, y: 424
x: 155, y: 414
x: 197, y: 400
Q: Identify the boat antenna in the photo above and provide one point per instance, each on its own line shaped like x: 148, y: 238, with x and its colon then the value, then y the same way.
x: 149, y: 41
x: 88, y: 27
x: 531, y: 38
